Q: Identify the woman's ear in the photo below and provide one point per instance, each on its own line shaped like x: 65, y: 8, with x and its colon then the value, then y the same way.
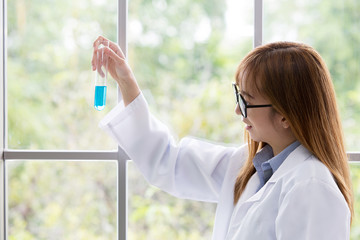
x: 284, y: 123
x: 281, y: 121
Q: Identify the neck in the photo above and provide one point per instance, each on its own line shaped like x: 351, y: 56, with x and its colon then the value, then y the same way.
x: 278, y: 148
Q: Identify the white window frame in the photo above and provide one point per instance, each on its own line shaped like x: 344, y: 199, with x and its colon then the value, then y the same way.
x: 33, y: 155
x: 119, y: 155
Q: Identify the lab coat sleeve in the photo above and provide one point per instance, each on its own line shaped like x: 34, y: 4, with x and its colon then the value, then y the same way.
x: 192, y: 169
x: 313, y: 210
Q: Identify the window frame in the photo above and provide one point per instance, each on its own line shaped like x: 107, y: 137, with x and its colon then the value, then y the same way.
x: 34, y: 155
x: 119, y: 155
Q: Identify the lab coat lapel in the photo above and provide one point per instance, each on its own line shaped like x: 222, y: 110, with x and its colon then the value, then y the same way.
x: 250, y: 196
x: 250, y: 189
x: 247, y: 199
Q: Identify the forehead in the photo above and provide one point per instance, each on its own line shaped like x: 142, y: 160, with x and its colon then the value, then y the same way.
x: 247, y: 82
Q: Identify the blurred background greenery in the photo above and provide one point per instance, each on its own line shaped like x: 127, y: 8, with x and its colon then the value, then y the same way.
x: 184, y: 55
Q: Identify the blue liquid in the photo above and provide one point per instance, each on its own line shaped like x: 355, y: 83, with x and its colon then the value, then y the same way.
x: 100, y: 97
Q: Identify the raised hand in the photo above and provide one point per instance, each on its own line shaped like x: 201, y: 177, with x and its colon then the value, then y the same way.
x: 117, y: 66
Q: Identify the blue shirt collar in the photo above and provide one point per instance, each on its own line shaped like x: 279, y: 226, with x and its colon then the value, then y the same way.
x: 266, y: 164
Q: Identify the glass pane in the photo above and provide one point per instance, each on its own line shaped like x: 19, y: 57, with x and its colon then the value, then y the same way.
x: 154, y: 214
x: 355, y: 174
x: 184, y: 55
x: 49, y: 78
x: 62, y: 200
x: 332, y: 28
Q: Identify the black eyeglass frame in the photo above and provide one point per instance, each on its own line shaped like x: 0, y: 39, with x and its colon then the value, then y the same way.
x: 243, y: 106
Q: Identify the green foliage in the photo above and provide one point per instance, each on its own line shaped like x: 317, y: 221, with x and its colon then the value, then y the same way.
x: 154, y: 214
x: 62, y: 200
x: 50, y: 84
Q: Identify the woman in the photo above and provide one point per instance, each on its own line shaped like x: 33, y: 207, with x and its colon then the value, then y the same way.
x: 290, y: 181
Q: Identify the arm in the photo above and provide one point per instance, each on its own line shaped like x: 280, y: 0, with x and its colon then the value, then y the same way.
x: 313, y: 210
x: 192, y: 169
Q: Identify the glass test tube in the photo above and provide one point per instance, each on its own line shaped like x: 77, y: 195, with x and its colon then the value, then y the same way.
x: 100, y: 81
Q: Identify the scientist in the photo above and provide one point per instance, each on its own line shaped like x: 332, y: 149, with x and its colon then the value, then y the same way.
x: 290, y: 181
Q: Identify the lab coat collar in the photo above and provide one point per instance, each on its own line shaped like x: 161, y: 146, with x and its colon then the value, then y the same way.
x: 299, y: 155
x: 250, y: 196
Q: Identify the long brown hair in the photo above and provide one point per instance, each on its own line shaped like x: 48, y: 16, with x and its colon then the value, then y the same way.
x: 295, y: 79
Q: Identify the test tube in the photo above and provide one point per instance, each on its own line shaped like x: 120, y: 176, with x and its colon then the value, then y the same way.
x: 100, y: 81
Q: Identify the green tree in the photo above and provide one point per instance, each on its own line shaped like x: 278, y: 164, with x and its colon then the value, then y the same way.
x: 50, y: 84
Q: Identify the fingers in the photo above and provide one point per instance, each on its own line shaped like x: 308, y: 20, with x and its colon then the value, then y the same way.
x: 114, y: 56
x: 107, y: 43
x: 101, y: 40
x: 117, y: 49
x: 101, y: 58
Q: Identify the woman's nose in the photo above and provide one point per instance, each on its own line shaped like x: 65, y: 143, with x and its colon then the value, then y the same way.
x: 237, y: 110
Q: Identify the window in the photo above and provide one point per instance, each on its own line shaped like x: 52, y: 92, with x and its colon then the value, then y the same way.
x: 80, y: 203
x: 48, y: 79
x: 62, y: 176
x: 60, y: 171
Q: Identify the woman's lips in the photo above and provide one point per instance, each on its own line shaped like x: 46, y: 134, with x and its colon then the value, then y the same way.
x: 248, y: 127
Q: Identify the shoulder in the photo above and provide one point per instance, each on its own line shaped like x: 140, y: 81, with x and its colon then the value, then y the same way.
x: 312, y: 169
x: 312, y: 177
x: 311, y: 201
x: 301, y: 170
x: 302, y: 166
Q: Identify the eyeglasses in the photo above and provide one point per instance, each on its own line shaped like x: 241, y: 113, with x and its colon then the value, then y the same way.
x: 243, y: 104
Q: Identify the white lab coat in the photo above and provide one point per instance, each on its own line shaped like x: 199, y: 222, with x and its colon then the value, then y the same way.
x: 300, y: 201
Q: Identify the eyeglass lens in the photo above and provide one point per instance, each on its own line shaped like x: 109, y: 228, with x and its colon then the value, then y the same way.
x: 242, y: 106
x: 240, y: 101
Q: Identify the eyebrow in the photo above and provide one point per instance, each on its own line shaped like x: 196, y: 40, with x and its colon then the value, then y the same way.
x: 246, y: 94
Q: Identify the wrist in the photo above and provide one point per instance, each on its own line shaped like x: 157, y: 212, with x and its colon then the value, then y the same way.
x: 129, y: 90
